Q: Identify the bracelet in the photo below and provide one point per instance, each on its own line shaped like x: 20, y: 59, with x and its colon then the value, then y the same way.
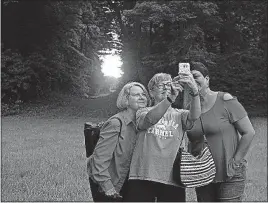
x: 168, y: 98
x: 194, y: 95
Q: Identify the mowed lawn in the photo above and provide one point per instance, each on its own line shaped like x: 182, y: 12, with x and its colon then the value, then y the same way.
x: 43, y: 159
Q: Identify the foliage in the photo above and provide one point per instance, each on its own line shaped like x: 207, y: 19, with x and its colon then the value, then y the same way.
x: 55, y: 45
x: 49, y: 46
x: 16, y: 76
x: 162, y: 34
x: 244, y: 77
x: 228, y: 37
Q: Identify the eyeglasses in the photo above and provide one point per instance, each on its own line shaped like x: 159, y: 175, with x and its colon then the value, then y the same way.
x: 138, y: 95
x: 162, y: 85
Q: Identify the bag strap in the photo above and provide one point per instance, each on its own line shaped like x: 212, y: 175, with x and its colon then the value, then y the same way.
x: 182, y: 138
x: 120, y: 124
x: 202, y: 125
x: 205, y: 140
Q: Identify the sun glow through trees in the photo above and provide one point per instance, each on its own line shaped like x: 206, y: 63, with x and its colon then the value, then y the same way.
x: 111, y: 66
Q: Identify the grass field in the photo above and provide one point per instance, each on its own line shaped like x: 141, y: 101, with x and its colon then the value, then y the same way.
x: 43, y: 159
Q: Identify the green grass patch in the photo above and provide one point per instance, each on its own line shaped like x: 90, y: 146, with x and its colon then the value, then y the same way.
x: 43, y: 159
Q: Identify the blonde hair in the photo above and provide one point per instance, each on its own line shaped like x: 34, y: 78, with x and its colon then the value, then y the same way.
x: 122, y: 99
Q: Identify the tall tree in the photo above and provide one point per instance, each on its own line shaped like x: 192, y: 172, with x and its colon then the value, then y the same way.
x: 57, y: 44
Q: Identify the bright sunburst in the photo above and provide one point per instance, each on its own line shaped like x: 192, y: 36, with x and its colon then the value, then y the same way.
x: 111, y: 66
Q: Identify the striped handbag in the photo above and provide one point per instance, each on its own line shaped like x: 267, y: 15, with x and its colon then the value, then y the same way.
x: 194, y: 171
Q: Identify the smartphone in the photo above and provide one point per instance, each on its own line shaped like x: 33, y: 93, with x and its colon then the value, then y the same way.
x: 184, y: 68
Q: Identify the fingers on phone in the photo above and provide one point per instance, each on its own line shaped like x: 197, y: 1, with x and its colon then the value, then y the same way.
x: 185, y: 73
x: 179, y: 88
x: 185, y: 80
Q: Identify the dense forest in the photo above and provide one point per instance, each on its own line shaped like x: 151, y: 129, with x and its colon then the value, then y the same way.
x: 56, y: 45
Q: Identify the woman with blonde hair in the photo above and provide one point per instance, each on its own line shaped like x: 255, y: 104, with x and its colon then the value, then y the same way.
x: 108, y: 166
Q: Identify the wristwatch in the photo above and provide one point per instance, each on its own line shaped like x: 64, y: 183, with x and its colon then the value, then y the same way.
x: 194, y: 95
x: 170, y: 100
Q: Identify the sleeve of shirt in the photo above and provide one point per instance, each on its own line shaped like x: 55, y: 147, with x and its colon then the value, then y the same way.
x: 141, y: 121
x: 235, y: 110
x: 103, y: 153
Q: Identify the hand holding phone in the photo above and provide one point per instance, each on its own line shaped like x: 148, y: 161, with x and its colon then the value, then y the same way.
x: 185, y: 78
x: 183, y: 71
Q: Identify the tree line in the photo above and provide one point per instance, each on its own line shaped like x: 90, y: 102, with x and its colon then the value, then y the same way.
x: 56, y: 45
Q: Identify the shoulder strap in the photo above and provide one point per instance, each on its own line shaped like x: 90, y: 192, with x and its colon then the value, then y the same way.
x: 182, y: 138
x: 202, y: 125
x: 205, y: 140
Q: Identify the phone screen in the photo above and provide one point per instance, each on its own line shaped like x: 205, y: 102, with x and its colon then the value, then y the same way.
x: 184, y: 68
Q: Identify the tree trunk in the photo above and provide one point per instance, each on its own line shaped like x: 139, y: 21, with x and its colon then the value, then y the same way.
x: 140, y: 75
x: 151, y: 37
x: 222, y: 32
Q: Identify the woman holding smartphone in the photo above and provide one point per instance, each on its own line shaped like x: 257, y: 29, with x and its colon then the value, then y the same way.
x: 160, y: 130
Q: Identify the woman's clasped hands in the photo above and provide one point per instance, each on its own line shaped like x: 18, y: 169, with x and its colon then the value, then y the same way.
x: 112, y: 193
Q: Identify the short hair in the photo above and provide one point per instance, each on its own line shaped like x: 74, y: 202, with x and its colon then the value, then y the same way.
x: 157, y: 78
x: 198, y: 66
x: 122, y: 99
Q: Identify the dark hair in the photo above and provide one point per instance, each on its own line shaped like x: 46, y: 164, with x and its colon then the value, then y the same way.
x: 199, y: 67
